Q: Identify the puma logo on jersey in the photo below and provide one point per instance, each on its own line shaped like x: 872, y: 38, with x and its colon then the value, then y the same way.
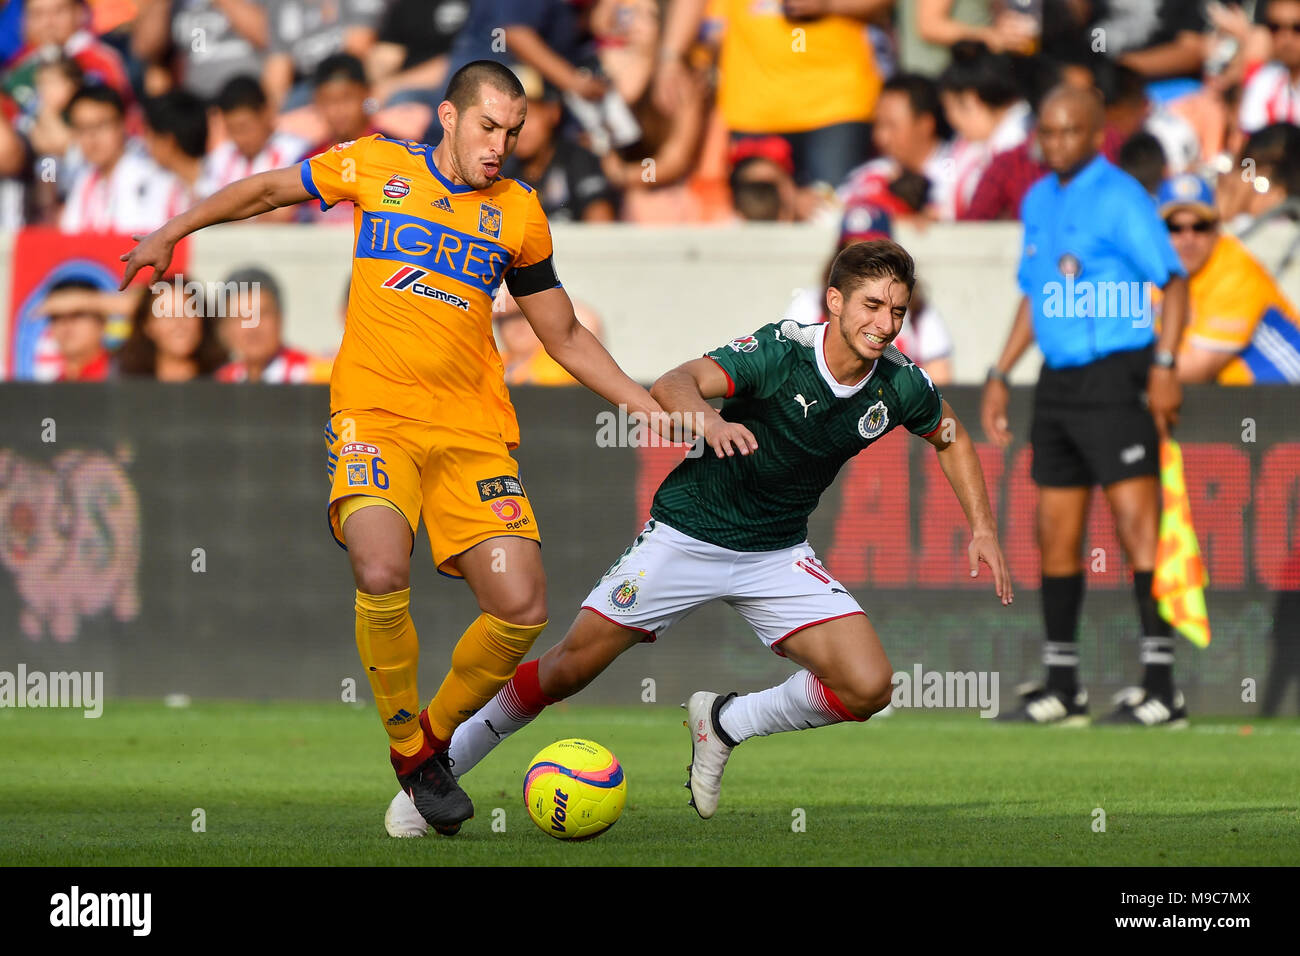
x: 804, y: 403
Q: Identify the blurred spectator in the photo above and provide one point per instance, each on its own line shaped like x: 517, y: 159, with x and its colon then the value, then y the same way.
x: 985, y: 107
x: 304, y: 33
x: 57, y: 80
x: 762, y: 180
x: 207, y: 41
x: 1242, y: 329
x: 410, y: 56
x: 119, y: 189
x: 548, y: 35
x: 341, y: 94
x: 676, y: 170
x: 254, y: 145
x: 924, y: 337
x: 568, y: 178
x: 627, y: 38
x: 256, y: 343
x: 910, y: 132
x: 51, y: 27
x: 818, y: 91
x: 928, y: 29
x: 526, y: 361
x: 1143, y: 158
x: 176, y: 137
x: 1163, y: 41
x: 1272, y: 93
x: 77, y: 320
x: 1265, y: 175
x: 168, y: 341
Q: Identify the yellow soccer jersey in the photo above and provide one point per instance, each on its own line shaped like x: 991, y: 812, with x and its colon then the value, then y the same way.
x: 1236, y: 306
x: 428, y: 259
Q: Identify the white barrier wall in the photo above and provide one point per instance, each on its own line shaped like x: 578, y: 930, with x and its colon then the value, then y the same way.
x: 666, y: 294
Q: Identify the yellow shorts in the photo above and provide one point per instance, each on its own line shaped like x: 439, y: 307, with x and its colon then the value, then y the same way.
x: 464, y: 483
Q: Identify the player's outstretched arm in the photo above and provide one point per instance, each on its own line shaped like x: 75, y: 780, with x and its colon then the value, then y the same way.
x: 551, y: 315
x: 683, y: 393
x: 240, y: 200
x: 961, y: 466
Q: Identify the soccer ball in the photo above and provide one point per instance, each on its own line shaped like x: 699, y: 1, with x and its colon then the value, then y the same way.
x: 574, y: 789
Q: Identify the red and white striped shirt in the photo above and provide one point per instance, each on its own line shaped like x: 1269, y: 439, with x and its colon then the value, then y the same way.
x: 289, y: 367
x: 1270, y: 96
x: 136, y: 196
x: 226, y: 164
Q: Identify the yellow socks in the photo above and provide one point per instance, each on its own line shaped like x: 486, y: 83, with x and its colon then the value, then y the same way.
x: 390, y: 653
x: 484, y: 659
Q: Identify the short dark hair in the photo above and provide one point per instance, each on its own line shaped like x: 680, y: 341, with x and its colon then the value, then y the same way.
x: 990, y: 76
x: 339, y: 66
x: 73, y: 282
x: 922, y: 96
x: 872, y: 259
x: 95, y: 93
x: 181, y: 114
x: 463, y: 87
x: 242, y: 92
x: 265, y: 282
x: 1143, y: 158
x: 1277, y: 146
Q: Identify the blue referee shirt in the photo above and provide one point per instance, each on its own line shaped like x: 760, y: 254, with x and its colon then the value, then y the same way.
x: 1094, y: 251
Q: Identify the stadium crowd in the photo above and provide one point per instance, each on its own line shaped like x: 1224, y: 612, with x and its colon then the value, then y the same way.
x: 117, y: 114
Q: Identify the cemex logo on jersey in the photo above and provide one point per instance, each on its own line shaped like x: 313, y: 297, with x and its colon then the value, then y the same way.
x: 407, y: 279
x: 395, y: 190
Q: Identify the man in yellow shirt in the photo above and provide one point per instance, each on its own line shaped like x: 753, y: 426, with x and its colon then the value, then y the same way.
x: 1242, y: 329
x: 421, y: 423
x: 800, y: 69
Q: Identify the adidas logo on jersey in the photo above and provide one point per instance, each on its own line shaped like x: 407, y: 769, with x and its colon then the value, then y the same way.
x: 442, y: 203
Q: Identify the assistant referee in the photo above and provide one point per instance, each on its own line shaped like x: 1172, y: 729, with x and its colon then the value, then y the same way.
x: 1094, y: 251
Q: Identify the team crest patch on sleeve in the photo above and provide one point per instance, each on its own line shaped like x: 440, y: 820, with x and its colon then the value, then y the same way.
x: 499, y: 487
x: 358, y: 474
x: 746, y: 343
x: 624, y: 595
x: 874, y: 422
x: 489, y: 220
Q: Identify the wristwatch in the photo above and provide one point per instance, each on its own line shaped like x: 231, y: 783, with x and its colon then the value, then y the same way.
x: 1163, y: 359
x: 996, y: 375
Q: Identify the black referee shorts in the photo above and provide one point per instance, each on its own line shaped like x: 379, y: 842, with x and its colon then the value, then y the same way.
x: 1091, y: 424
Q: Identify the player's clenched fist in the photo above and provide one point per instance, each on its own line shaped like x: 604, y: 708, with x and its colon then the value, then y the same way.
x: 726, y: 438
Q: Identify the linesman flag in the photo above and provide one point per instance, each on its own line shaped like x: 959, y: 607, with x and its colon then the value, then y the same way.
x: 1180, y: 578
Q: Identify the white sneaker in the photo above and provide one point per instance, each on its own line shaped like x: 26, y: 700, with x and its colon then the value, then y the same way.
x: 402, y: 819
x: 708, y: 753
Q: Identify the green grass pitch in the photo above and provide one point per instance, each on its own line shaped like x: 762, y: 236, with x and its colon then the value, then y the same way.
x: 303, y: 784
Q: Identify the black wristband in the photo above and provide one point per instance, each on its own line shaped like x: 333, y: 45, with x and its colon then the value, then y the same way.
x: 996, y: 375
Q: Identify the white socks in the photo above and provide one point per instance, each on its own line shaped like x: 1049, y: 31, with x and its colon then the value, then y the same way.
x: 801, y: 703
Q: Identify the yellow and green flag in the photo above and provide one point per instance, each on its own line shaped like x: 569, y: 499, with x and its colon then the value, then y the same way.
x: 1180, y: 576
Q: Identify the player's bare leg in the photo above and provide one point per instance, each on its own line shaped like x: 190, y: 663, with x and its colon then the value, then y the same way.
x: 1062, y: 516
x: 1135, y: 504
x: 846, y: 676
x: 591, y: 645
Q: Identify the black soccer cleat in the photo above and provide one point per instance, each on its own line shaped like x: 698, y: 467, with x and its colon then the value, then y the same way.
x: 433, y: 789
x: 1039, y: 705
x: 1138, y: 707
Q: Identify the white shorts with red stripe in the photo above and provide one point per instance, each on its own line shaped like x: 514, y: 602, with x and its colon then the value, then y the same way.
x: 665, y: 575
